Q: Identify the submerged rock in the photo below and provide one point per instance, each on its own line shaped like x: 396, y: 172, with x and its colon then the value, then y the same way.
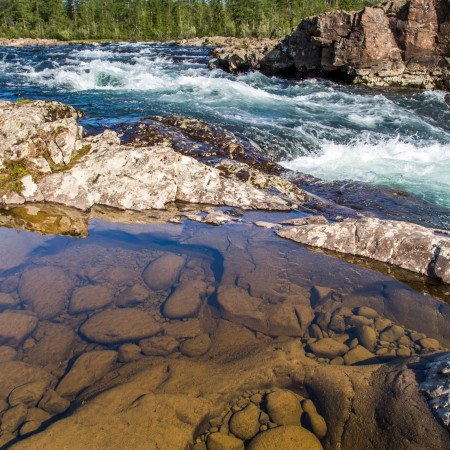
x: 46, y: 290
x: 119, y: 325
x: 185, y: 301
x: 88, y: 368
x: 163, y: 272
x: 287, y: 437
x: 89, y: 298
x: 15, y: 327
x: 403, y: 244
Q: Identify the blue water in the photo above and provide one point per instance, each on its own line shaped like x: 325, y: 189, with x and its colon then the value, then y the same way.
x: 392, y: 138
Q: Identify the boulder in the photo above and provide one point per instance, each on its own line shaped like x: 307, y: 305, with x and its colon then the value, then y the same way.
x: 403, y: 244
x: 185, y: 301
x: 53, y: 403
x: 54, y: 344
x: 129, y: 352
x: 132, y: 295
x: 15, y: 327
x: 87, y: 369
x: 163, y: 272
x: 28, y: 394
x: 13, y: 418
x: 89, y: 298
x: 359, y: 354
x: 119, y: 325
x: 221, y: 441
x: 395, y: 43
x: 18, y: 373
x: 244, y: 424
x: 45, y: 290
x: 328, y: 348
x: 367, y: 337
x: 159, y: 345
x: 35, y: 418
x: 287, y: 437
x: 284, y: 407
x: 196, y: 346
x: 316, y: 424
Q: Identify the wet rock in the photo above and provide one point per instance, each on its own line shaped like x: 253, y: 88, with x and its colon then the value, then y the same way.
x: 244, y: 424
x: 87, y: 369
x: 159, y: 345
x: 13, y: 418
x: 28, y: 394
x: 7, y: 300
x: 403, y: 244
x: 53, y: 403
x: 163, y: 272
x: 282, y: 319
x: 119, y: 325
x: 283, y: 407
x: 185, y: 329
x: 221, y: 441
x: 337, y: 323
x: 308, y: 406
x: 367, y: 312
x: 46, y: 290
x: 381, y: 323
x: 287, y: 437
x: 357, y: 355
x: 18, y: 373
x: 54, y: 343
x: 35, y: 418
x: 129, y: 352
x: 306, y: 221
x: 185, y: 301
x: 392, y: 333
x: 315, y: 331
x: 430, y: 344
x: 403, y: 352
x: 15, y: 327
x: 89, y: 298
x: 316, y: 423
x: 358, y: 321
x: 437, y: 387
x: 196, y: 346
x: 132, y: 295
x: 366, y: 337
x: 328, y: 348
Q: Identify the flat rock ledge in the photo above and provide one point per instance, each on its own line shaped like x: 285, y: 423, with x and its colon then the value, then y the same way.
x: 410, y: 246
x: 45, y: 156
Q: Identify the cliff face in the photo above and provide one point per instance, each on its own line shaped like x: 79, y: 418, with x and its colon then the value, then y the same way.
x: 397, y: 43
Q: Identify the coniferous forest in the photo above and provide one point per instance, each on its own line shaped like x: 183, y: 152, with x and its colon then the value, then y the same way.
x: 158, y: 19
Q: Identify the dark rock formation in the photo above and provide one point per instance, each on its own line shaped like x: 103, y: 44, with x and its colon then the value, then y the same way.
x: 398, y: 43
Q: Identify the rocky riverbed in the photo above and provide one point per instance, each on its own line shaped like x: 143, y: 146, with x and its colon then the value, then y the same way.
x: 177, y: 332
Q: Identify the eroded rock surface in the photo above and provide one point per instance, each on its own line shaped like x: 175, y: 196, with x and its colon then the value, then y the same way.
x: 407, y: 245
x: 397, y: 43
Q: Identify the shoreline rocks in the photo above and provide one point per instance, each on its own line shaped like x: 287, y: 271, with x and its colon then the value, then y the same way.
x: 397, y: 43
x: 410, y: 246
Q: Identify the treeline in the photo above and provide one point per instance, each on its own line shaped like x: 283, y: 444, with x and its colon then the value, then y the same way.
x: 158, y: 19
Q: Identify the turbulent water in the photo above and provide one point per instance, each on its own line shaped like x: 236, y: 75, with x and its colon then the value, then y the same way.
x: 397, y: 139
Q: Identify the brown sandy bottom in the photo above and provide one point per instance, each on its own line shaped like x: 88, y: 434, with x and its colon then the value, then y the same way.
x: 194, y: 336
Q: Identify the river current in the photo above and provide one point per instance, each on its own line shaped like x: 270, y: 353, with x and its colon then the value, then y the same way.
x: 398, y: 139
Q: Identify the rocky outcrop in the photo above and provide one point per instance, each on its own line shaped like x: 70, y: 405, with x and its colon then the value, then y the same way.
x: 403, y: 244
x: 398, y: 43
x: 45, y: 158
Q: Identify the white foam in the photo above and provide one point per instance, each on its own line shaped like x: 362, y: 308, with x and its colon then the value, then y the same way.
x: 420, y: 167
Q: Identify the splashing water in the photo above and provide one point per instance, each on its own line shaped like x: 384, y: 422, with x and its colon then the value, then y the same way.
x: 398, y: 139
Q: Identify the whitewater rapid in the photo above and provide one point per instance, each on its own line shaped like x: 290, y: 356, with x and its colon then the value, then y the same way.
x: 396, y: 139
